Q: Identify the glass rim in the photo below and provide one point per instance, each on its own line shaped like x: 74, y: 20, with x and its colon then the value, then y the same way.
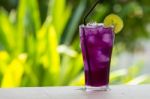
x: 94, y: 25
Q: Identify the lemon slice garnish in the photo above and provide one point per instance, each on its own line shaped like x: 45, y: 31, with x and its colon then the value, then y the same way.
x: 114, y: 21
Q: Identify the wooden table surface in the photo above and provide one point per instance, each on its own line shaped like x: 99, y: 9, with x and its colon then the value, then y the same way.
x: 73, y: 92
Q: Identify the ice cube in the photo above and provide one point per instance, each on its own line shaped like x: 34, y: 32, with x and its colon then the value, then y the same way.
x: 91, y: 39
x: 101, y: 57
x: 92, y: 24
x: 100, y: 30
x: 107, y: 38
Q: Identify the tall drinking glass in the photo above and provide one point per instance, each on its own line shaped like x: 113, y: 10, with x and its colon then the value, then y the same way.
x: 96, y: 44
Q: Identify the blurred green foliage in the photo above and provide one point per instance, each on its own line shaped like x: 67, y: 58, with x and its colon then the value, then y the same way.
x: 39, y: 41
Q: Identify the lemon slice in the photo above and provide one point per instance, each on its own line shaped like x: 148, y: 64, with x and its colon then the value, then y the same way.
x: 115, y: 21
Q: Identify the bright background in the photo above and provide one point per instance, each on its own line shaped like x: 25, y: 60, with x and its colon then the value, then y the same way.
x: 39, y: 41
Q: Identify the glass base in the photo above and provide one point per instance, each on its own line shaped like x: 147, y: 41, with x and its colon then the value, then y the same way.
x: 101, y: 88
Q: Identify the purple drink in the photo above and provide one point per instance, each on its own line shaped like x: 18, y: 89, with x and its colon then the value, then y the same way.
x: 96, y: 43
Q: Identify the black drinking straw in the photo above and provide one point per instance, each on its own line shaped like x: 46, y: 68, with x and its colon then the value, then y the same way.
x: 97, y: 2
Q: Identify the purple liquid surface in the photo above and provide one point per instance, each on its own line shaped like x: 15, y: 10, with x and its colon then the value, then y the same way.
x: 96, y: 44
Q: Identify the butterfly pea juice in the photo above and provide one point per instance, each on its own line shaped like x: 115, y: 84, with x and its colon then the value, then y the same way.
x: 96, y: 44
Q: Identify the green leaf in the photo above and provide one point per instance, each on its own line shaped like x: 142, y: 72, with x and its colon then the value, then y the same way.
x: 139, y: 80
x: 14, y: 72
x: 7, y: 32
x: 78, y: 81
x: 60, y: 13
x: 74, y: 22
x: 71, y: 68
x: 117, y: 75
x: 133, y: 71
x: 49, y: 54
x: 28, y: 21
